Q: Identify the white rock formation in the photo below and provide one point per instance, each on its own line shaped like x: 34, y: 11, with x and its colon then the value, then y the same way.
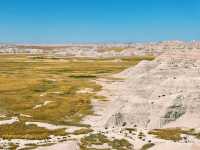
x: 101, y: 49
x: 161, y: 93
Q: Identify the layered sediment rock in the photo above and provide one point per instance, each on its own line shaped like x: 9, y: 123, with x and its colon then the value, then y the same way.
x: 161, y: 93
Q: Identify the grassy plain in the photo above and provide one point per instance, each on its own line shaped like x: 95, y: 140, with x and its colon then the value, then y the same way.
x: 46, y: 90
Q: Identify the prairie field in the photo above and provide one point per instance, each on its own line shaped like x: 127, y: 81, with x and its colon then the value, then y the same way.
x: 38, y: 89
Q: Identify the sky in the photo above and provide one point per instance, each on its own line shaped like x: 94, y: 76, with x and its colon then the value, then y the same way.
x: 62, y: 21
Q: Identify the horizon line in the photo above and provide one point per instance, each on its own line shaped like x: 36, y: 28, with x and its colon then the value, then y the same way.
x: 95, y: 42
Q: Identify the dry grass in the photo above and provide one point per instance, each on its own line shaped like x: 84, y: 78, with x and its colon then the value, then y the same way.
x: 26, y: 82
x: 21, y: 131
x: 173, y: 134
x: 100, y: 139
x: 147, y: 146
x: 131, y: 130
x: 82, y: 131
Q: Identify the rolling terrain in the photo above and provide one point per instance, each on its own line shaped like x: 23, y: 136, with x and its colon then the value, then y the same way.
x: 100, y: 96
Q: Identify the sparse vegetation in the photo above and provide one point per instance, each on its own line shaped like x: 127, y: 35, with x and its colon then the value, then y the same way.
x: 173, y: 134
x: 100, y: 139
x: 82, y: 131
x: 147, y: 146
x: 141, y: 135
x: 131, y: 130
x: 21, y: 131
x: 13, y: 146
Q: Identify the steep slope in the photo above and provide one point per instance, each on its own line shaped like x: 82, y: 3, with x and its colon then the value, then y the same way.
x: 157, y: 94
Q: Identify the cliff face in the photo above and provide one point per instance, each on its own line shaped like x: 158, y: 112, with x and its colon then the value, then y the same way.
x: 161, y: 93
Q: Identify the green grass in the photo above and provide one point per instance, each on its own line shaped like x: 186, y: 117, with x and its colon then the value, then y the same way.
x: 21, y: 131
x: 147, y: 146
x: 173, y: 134
x: 26, y: 82
x: 82, y: 131
x: 100, y: 139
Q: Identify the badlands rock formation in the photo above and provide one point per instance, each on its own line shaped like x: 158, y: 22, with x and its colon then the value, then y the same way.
x: 156, y: 94
x: 100, y: 49
x: 163, y: 93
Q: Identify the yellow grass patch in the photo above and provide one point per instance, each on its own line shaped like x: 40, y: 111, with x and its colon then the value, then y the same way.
x: 52, y: 84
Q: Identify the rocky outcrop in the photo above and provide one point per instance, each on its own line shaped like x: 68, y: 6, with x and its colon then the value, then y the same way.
x: 116, y: 119
x: 156, y: 94
x: 175, y: 111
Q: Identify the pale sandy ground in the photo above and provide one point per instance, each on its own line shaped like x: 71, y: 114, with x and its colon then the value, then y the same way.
x: 176, y: 146
x: 69, y: 145
x: 9, y: 121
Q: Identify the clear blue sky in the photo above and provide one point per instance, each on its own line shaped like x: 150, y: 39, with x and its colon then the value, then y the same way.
x: 60, y: 21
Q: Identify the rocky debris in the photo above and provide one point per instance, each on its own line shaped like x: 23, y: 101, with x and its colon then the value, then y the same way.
x: 116, y: 119
x: 174, y: 111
